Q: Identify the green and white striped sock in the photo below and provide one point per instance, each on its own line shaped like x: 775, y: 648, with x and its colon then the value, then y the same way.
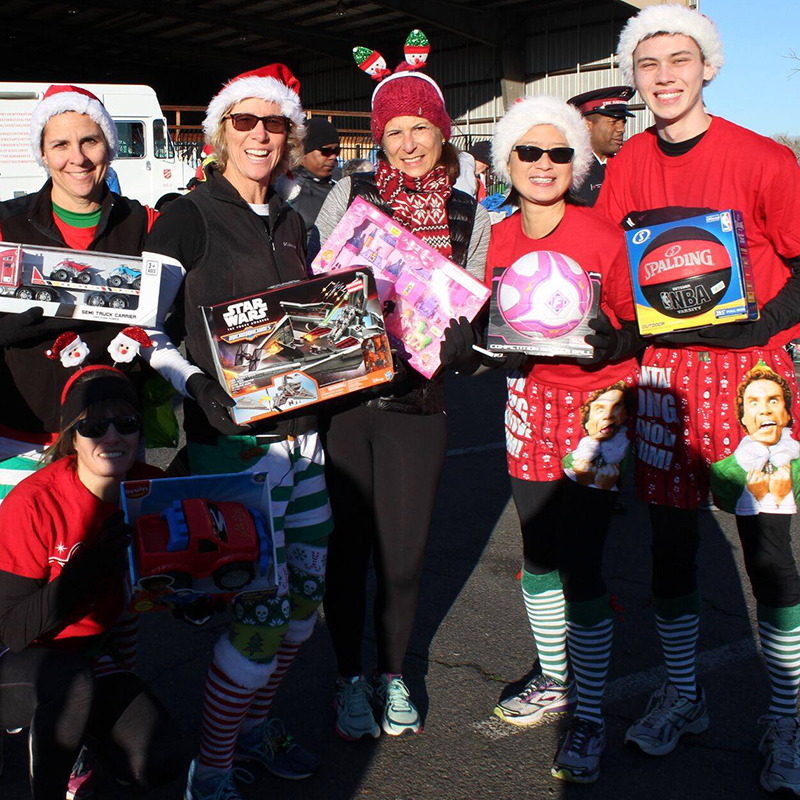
x: 544, y: 604
x: 779, y: 631
x: 678, y: 625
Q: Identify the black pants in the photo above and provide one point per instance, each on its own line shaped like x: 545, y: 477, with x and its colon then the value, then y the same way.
x: 382, y: 470
x: 766, y: 547
x: 564, y: 527
x: 57, y: 696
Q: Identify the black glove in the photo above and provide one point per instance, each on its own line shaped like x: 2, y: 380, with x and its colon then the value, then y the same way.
x: 456, y: 351
x: 105, y: 556
x: 214, y: 401
x: 16, y: 328
x: 610, y: 343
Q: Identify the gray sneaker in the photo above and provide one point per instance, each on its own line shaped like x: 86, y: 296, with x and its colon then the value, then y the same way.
x: 669, y: 716
x: 780, y: 744
x: 578, y: 757
x: 543, y: 698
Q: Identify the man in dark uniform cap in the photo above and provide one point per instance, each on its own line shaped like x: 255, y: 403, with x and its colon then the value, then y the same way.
x: 605, y: 112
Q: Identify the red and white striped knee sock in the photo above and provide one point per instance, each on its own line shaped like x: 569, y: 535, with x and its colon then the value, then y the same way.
x: 259, y: 708
x: 126, y: 636
x: 225, y: 706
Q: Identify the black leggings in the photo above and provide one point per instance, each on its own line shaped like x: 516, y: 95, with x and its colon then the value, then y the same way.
x: 57, y: 696
x: 382, y: 470
x: 766, y: 547
x: 564, y: 527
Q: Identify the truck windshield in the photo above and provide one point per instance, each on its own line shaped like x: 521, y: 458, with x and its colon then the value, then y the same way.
x: 162, y: 146
x: 131, y: 139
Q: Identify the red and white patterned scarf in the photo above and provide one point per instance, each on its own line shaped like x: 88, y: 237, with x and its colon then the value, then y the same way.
x: 419, y: 204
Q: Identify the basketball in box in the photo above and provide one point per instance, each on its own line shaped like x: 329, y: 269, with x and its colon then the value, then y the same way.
x: 691, y: 273
x: 79, y: 284
x: 299, y: 344
x: 541, y: 305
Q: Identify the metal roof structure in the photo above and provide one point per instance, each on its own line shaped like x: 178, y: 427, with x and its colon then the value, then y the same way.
x: 186, y: 48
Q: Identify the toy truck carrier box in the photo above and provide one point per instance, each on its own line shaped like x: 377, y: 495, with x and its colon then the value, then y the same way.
x: 147, y: 166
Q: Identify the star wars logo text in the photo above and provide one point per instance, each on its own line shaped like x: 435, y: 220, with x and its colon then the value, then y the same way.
x: 245, y: 312
x: 657, y: 415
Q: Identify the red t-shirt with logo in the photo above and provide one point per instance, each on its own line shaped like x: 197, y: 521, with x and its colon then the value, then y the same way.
x: 44, y: 520
x: 730, y: 167
x: 598, y: 246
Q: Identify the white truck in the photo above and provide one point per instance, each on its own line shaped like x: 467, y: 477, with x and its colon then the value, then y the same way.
x: 147, y: 165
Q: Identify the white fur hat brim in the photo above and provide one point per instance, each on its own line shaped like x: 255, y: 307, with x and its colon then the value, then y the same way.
x: 669, y: 19
x: 544, y: 110
x: 61, y: 103
x: 262, y: 88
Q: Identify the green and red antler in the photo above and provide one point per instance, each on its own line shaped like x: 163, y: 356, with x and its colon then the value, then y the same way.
x: 371, y: 62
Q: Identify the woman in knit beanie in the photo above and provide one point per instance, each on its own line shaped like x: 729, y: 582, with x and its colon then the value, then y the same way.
x: 384, y: 456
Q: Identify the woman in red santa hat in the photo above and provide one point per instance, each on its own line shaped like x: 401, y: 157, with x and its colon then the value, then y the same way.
x: 74, y: 138
x: 66, y: 671
x: 385, y: 454
x: 231, y: 237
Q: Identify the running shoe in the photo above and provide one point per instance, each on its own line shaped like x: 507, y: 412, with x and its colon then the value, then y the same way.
x: 542, y: 698
x: 780, y: 745
x: 275, y: 749
x: 215, y: 785
x: 669, y: 716
x: 577, y: 759
x: 354, y: 717
x: 81, y: 782
x: 400, y: 715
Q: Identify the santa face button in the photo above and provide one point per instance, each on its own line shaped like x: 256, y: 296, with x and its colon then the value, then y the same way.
x: 127, y: 344
x: 70, y: 349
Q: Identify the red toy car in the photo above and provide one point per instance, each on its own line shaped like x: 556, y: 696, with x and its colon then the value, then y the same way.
x: 195, y: 539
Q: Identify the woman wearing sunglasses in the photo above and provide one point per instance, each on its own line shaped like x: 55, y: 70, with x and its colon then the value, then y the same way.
x: 63, y: 558
x: 567, y: 423
x: 232, y: 237
x: 385, y: 453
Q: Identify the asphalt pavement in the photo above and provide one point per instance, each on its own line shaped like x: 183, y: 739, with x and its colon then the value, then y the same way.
x: 471, y: 641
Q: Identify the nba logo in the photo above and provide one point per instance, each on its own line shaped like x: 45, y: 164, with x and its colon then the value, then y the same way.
x: 725, y: 220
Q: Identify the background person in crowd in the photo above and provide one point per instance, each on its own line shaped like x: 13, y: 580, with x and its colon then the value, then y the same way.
x: 385, y: 454
x: 606, y: 113
x: 74, y: 138
x: 68, y: 671
x: 357, y: 165
x: 231, y: 237
x: 482, y: 153
x: 541, y: 146
x: 313, y: 176
x: 675, y: 169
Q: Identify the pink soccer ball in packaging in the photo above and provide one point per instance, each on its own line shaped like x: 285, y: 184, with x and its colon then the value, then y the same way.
x: 544, y: 293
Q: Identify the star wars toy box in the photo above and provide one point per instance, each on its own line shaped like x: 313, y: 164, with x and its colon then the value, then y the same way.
x: 299, y: 344
x: 79, y: 284
x: 420, y: 289
x: 541, y: 306
x: 691, y: 273
x: 199, y: 541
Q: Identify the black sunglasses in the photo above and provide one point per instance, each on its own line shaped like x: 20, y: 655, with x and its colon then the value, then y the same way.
x: 330, y: 151
x: 531, y: 153
x: 97, y: 428
x: 246, y: 122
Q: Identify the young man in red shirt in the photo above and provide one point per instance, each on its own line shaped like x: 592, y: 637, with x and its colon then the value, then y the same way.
x: 720, y: 398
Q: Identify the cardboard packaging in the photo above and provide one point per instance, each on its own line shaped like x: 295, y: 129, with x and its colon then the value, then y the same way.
x: 541, y: 305
x: 691, y: 273
x: 421, y: 291
x: 299, y: 344
x: 79, y: 284
x: 199, y: 539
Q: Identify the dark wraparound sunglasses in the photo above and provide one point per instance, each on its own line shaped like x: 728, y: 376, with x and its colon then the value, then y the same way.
x: 246, y: 122
x: 330, y: 151
x: 97, y: 428
x: 531, y: 153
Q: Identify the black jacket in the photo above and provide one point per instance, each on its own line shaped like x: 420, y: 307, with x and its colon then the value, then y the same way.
x: 313, y: 191
x: 590, y: 188
x: 31, y: 382
x: 228, y: 252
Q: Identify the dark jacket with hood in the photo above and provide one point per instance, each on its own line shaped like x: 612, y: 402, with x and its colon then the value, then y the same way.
x: 32, y: 383
x: 311, y: 195
x: 228, y: 252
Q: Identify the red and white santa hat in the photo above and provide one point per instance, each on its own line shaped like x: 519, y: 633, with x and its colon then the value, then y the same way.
x: 274, y: 83
x: 528, y: 112
x: 59, y: 99
x: 669, y: 19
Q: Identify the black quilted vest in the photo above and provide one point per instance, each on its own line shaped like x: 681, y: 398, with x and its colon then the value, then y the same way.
x: 415, y: 394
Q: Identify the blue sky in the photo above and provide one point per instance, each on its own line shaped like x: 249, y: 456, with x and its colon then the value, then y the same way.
x: 753, y: 89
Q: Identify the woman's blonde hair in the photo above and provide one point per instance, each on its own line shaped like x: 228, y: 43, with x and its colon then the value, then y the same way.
x: 292, y: 152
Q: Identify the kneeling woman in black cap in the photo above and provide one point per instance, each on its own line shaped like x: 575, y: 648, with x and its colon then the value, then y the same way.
x: 62, y: 589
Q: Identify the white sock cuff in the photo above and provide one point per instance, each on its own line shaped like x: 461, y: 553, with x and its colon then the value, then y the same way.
x: 239, y: 668
x: 300, y: 629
